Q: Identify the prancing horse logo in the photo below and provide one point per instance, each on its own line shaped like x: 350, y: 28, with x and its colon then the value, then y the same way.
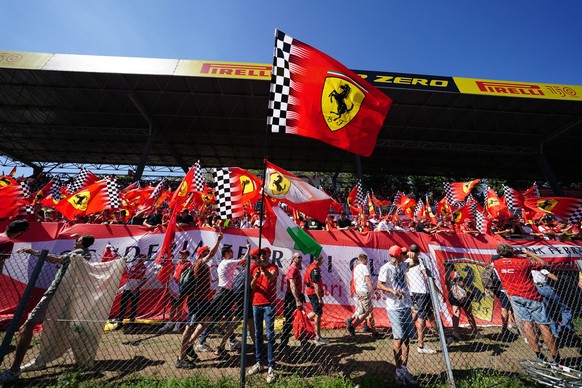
x: 340, y: 102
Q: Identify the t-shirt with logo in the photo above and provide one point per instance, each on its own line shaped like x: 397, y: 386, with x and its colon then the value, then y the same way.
x: 516, y: 278
x: 265, y: 292
x: 393, y: 275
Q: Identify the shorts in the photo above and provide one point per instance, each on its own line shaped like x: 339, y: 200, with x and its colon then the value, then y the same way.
x: 503, y: 299
x: 402, y: 324
x: 423, y: 305
x: 363, y: 302
x: 530, y: 310
x: 198, y: 310
x: 222, y: 304
x: 455, y: 302
x: 38, y: 314
x: 315, y: 305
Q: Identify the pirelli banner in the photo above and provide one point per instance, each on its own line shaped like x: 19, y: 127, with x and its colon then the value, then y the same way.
x: 261, y: 71
x: 464, y: 254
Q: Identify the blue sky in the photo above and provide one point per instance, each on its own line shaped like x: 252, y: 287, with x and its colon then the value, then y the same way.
x: 506, y: 40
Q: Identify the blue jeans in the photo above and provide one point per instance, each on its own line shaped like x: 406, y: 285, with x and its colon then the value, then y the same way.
x: 266, y: 312
x: 555, y: 307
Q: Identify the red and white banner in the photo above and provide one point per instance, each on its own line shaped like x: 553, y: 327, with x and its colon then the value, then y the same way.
x: 465, y: 253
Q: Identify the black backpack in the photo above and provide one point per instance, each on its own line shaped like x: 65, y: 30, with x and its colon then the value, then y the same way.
x: 238, y: 283
x: 187, y: 282
x: 489, y: 278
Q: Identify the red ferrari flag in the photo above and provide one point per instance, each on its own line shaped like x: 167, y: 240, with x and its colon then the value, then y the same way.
x: 101, y: 195
x: 314, y: 95
x: 458, y: 191
x: 569, y: 209
x: 233, y: 188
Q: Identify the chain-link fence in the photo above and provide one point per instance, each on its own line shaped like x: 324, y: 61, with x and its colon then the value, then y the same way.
x: 365, y: 315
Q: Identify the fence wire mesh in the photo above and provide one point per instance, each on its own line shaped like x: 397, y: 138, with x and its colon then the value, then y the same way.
x: 133, y: 329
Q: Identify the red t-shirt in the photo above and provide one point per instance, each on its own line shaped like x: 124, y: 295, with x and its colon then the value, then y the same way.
x: 312, y: 274
x: 516, y: 279
x: 181, y: 267
x: 294, y: 275
x: 265, y: 292
x: 202, y: 289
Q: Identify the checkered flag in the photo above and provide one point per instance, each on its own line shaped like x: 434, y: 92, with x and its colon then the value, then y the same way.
x: 55, y: 190
x: 513, y: 199
x: 83, y: 179
x: 26, y: 189
x: 227, y: 193
x: 536, y: 189
x: 360, y: 198
x: 449, y: 193
x: 576, y: 216
x: 397, y: 198
x: 113, y: 193
x: 279, y: 96
x: 199, y: 183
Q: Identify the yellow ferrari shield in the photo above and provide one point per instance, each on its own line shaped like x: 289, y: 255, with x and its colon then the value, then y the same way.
x: 466, y: 187
x: 340, y: 102
x: 5, y: 182
x: 492, y: 202
x: 547, y: 204
x: 481, y: 302
x: 247, y: 184
x: 183, y: 189
x: 278, y: 184
x: 80, y: 200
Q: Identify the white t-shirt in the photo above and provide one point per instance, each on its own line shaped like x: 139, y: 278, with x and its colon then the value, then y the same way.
x: 227, y: 270
x: 394, y: 276
x: 416, y: 281
x: 360, y: 273
x: 540, y: 276
x: 384, y: 225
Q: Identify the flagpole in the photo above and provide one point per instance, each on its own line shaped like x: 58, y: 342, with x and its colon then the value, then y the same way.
x: 247, y: 293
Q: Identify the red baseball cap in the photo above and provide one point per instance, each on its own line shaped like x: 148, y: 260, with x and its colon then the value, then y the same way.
x: 201, y: 250
x: 395, y: 250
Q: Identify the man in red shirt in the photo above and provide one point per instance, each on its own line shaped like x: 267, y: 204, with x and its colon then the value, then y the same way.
x: 264, y: 287
x: 517, y: 281
x: 199, y: 306
x: 314, y: 291
x: 294, y: 297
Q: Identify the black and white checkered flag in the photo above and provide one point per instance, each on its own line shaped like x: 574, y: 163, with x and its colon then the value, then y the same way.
x: 223, y: 191
x: 113, y: 193
x: 360, y: 194
x: 279, y: 96
x: 198, y: 177
x: 83, y: 179
x: 55, y: 191
x: 26, y: 189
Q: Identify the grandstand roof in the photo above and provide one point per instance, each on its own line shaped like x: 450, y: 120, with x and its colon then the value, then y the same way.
x: 162, y: 112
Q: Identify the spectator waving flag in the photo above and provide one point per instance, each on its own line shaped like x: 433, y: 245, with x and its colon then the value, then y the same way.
x: 234, y: 187
x: 296, y: 193
x: 314, y: 95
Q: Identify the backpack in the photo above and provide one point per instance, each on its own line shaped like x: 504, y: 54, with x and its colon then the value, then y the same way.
x: 489, y: 278
x: 187, y: 282
x: 238, y: 283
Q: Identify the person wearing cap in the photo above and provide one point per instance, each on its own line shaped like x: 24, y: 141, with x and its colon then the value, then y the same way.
x: 176, y: 299
x: 392, y: 280
x: 38, y: 314
x: 133, y: 279
x: 199, y: 306
x: 264, y: 276
x: 14, y: 230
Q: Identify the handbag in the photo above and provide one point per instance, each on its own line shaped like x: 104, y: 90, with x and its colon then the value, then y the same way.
x: 302, y: 328
x: 459, y: 293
